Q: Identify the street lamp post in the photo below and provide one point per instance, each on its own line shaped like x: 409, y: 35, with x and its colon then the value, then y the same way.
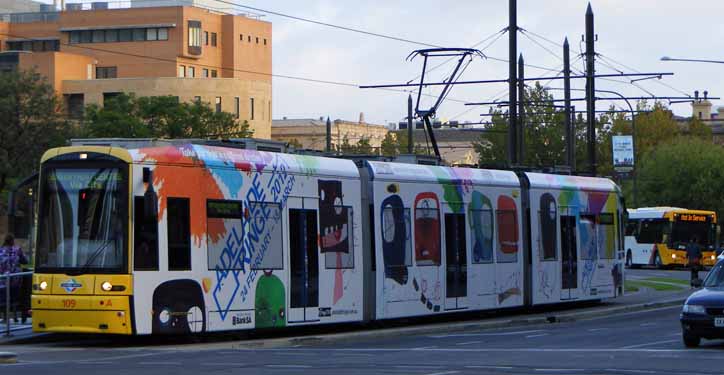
x: 667, y: 58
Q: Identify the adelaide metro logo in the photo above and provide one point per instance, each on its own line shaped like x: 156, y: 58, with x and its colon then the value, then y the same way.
x: 71, y: 285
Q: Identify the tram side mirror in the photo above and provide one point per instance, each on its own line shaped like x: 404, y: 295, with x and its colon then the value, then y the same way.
x: 697, y: 283
x: 150, y: 198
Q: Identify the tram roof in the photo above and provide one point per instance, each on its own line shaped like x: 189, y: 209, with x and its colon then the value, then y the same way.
x: 554, y: 181
x: 440, y: 174
x: 244, y: 159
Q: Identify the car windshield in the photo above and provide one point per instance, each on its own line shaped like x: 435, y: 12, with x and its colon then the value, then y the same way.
x: 81, y: 220
x: 683, y: 231
x: 715, y: 279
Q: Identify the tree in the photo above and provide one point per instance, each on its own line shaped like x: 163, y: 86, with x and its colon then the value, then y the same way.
x: 31, y: 121
x: 686, y: 172
x: 128, y: 116
x: 390, y: 145
x: 295, y: 143
x: 363, y: 147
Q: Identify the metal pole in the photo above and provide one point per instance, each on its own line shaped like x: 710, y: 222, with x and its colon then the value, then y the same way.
x: 512, y: 99
x: 7, y: 305
x: 410, y: 147
x: 329, y: 135
x: 521, y: 110
x: 591, y: 90
x: 570, y: 133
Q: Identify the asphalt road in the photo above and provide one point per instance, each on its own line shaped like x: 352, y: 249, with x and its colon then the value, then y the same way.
x: 676, y: 273
x: 646, y: 342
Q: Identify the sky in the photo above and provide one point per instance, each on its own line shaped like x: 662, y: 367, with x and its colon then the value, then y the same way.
x: 635, y: 33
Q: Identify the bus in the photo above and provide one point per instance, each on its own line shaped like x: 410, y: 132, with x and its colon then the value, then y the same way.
x: 182, y: 237
x: 657, y: 236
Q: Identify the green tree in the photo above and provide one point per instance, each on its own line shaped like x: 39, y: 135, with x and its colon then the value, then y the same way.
x: 31, y: 121
x: 295, y: 143
x: 363, y: 147
x: 128, y: 116
x: 390, y: 145
x: 685, y: 172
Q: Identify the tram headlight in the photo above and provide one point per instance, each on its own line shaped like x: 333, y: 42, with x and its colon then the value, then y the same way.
x: 673, y: 256
x: 106, y: 286
x: 43, y: 285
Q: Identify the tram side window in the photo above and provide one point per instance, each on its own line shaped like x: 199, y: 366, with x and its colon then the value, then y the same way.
x: 606, y: 236
x: 145, y: 239
x: 652, y: 231
x: 482, y: 235
x: 427, y: 236
x: 588, y: 237
x: 396, y: 241
x: 265, y: 236
x: 548, y: 237
x: 224, y: 239
x: 337, y: 242
x: 179, y: 234
x: 508, y: 236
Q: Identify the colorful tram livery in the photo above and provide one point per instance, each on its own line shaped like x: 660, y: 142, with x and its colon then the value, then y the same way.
x: 658, y: 236
x: 199, y: 237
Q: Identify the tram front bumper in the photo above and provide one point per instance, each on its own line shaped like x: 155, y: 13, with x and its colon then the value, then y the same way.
x: 82, y: 314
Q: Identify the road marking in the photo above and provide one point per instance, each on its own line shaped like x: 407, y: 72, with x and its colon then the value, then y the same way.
x: 486, y: 334
x: 222, y: 364
x: 424, y: 348
x: 158, y: 363
x: 598, y: 329
x: 635, y: 313
x: 289, y: 366
x: 631, y: 371
x: 97, y: 363
x: 538, y: 335
x: 714, y: 355
x: 418, y: 366
x: 647, y: 324
x: 649, y: 344
x: 468, y: 343
x: 559, y: 369
x: 492, y: 367
x: 120, y: 357
x: 443, y: 373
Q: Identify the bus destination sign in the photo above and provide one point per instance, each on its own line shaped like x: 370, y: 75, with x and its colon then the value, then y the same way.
x: 692, y: 217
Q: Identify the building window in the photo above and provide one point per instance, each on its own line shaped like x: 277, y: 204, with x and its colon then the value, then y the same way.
x: 163, y: 33
x: 213, y: 39
x: 194, y: 37
x: 213, y: 74
x: 205, y: 73
x: 151, y: 34
x: 251, y: 111
x: 86, y: 36
x: 106, y: 72
x: 111, y: 35
x: 75, y: 104
x: 236, y: 107
x: 35, y: 45
x: 139, y: 35
x: 191, y: 72
x: 248, y: 38
x: 264, y: 41
x: 74, y: 37
x: 218, y: 104
x: 257, y: 40
x: 206, y: 38
x: 241, y: 37
x: 99, y: 36
x: 181, y: 71
x: 124, y: 35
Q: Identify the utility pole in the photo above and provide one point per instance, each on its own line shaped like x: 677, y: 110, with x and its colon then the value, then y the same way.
x: 570, y: 132
x: 521, y: 110
x: 590, y: 91
x: 329, y: 135
x: 409, y: 125
x: 512, y: 99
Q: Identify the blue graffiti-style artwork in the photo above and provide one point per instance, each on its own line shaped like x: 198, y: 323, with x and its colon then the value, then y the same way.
x: 255, y: 239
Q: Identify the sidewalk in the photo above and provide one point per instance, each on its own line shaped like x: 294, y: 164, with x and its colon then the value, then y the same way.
x: 644, y: 299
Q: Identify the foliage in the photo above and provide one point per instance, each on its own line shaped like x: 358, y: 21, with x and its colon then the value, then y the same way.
x: 686, y: 172
x: 31, y: 121
x: 128, y: 116
x: 295, y: 143
x: 395, y: 143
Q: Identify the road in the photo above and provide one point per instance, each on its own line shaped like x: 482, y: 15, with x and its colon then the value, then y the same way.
x: 635, y: 343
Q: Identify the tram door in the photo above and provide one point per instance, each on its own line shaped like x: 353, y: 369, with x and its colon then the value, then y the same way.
x: 304, y: 262
x: 456, y: 262
x: 569, y: 255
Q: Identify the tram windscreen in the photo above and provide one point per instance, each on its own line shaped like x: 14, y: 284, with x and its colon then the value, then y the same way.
x: 82, y: 220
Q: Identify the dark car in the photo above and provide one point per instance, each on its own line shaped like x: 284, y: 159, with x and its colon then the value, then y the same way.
x: 703, y: 312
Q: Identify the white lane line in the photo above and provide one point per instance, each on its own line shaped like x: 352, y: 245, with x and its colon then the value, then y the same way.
x: 97, y: 363
x: 468, y: 343
x: 634, y: 313
x: 289, y: 366
x: 649, y: 344
x: 538, y: 335
x: 424, y: 348
x: 647, y: 324
x: 118, y: 357
x: 630, y: 371
x: 714, y: 355
x: 559, y: 369
x: 423, y: 367
x: 492, y: 367
x: 160, y: 363
x: 598, y: 329
x: 443, y: 373
x: 486, y: 334
x: 230, y: 364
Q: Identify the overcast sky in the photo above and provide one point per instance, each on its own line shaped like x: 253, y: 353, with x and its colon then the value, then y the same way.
x: 633, y: 32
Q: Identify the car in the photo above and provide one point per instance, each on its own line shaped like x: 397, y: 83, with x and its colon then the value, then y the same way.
x: 703, y: 313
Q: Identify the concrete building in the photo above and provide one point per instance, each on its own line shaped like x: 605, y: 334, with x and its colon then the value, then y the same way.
x: 90, y: 52
x: 19, y: 6
x: 455, y: 143
x: 311, y: 133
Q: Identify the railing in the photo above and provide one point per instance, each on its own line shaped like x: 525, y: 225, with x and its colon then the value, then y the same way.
x: 8, y: 285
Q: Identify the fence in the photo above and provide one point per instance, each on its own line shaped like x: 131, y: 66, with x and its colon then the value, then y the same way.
x: 23, y: 291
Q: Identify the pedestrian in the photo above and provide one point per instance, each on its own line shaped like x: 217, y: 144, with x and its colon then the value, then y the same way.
x: 693, y: 255
x: 11, y: 257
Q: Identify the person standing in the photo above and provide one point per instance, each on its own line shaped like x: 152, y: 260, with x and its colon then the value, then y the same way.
x: 11, y: 257
x: 693, y: 255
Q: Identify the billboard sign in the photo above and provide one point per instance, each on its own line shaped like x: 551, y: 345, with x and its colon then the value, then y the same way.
x: 623, y: 153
